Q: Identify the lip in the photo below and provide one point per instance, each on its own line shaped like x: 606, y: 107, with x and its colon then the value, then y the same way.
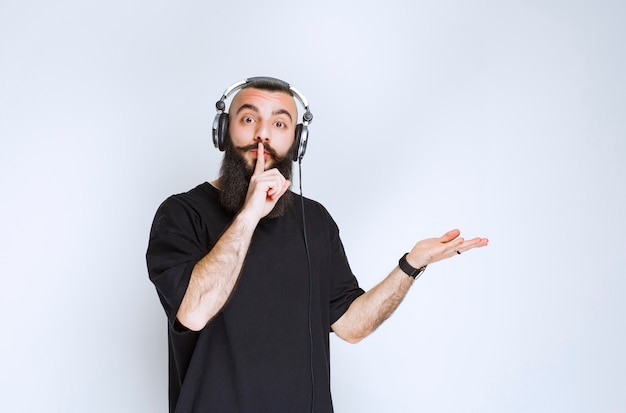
x: 256, y: 154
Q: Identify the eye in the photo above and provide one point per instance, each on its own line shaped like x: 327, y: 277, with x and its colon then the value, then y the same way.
x: 279, y: 124
x: 247, y: 119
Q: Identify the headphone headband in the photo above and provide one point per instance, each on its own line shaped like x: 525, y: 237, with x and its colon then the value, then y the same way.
x: 221, y: 104
x: 220, y: 124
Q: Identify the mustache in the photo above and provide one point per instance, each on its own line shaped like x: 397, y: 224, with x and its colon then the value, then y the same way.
x: 266, y: 147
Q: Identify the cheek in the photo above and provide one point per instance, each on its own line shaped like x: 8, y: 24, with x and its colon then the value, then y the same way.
x: 287, y: 139
x: 237, y: 134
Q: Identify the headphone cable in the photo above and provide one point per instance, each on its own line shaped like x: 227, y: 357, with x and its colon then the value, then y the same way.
x: 308, y: 258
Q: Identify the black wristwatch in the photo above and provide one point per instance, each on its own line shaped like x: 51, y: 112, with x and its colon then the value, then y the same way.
x: 408, y: 269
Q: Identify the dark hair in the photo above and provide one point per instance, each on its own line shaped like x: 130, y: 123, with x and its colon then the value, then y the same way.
x: 268, y: 83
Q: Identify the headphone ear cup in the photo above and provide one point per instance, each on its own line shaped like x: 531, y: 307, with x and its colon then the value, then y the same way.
x: 301, y: 137
x: 220, y: 131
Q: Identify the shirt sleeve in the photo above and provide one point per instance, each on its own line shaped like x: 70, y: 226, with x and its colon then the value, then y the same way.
x: 344, y: 285
x: 174, y: 248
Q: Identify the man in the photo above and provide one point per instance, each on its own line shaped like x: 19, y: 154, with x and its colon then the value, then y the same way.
x: 253, y: 284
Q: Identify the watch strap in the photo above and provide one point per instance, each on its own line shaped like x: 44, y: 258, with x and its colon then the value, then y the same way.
x: 409, y: 269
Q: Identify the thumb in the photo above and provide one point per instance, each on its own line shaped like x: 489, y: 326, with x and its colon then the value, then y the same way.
x: 450, y: 235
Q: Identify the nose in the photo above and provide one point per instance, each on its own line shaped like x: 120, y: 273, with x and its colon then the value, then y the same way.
x: 262, y: 133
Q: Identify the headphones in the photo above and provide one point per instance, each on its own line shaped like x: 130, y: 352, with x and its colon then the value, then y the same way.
x: 220, y: 123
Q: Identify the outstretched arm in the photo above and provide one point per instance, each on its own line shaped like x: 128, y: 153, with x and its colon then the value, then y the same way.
x: 368, y: 311
x: 214, y: 277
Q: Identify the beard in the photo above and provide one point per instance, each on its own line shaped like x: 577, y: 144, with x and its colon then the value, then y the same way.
x: 236, y: 173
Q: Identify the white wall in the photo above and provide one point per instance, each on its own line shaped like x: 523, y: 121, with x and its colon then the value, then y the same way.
x: 505, y: 119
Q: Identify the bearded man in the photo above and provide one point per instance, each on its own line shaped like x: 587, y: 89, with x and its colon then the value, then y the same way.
x: 253, y: 282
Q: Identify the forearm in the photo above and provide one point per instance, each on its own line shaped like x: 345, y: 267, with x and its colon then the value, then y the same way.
x: 214, y: 277
x: 369, y: 310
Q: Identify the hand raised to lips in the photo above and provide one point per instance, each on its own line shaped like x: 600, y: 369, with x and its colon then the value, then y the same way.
x: 265, y: 187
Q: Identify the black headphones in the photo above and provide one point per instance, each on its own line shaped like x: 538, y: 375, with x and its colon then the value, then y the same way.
x: 220, y: 124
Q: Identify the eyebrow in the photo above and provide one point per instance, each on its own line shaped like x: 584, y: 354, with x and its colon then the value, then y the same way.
x: 255, y: 109
x: 282, y: 112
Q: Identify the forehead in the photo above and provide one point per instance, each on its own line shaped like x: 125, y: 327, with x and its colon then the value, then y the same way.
x: 264, y: 100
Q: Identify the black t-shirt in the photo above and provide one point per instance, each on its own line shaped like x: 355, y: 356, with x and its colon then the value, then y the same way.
x: 255, y: 355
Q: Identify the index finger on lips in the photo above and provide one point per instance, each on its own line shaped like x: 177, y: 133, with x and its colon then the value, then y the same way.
x: 260, y: 159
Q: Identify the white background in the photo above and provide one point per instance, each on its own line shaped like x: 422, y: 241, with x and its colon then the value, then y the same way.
x: 504, y: 119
